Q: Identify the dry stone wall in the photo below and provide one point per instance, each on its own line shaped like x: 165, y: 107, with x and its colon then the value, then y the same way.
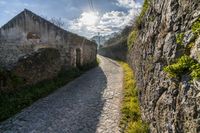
x: 170, y: 105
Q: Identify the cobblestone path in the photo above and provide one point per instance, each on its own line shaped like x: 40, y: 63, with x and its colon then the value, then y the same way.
x: 89, y: 104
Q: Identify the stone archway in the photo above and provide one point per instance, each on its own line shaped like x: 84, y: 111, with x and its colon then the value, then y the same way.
x: 78, y: 57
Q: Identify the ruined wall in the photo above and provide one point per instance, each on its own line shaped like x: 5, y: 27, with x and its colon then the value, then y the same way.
x: 89, y: 53
x: 32, y: 68
x: 34, y: 49
x: 88, y: 50
x: 28, y: 32
x: 168, y: 104
x: 38, y: 66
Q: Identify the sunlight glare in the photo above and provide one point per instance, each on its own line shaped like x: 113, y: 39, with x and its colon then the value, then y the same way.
x: 89, y: 18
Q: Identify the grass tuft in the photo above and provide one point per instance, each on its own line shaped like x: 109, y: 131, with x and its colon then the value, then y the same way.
x: 131, y: 121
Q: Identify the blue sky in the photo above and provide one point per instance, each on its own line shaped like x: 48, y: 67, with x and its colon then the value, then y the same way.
x: 106, y: 17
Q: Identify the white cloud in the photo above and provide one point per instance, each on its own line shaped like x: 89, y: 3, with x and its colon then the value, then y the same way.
x: 90, y: 23
x: 113, y: 18
x: 85, y: 23
x: 89, y: 18
x: 128, y: 4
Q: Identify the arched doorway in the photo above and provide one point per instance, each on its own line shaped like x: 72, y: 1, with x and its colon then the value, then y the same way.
x: 78, y: 57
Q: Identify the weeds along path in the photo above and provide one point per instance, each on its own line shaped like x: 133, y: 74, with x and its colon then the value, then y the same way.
x: 89, y: 104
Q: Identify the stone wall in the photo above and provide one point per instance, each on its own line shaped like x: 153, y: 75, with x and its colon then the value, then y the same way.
x: 32, y: 68
x: 35, y: 49
x: 168, y: 104
x: 38, y: 66
x: 88, y: 50
x: 118, y: 51
x: 89, y: 53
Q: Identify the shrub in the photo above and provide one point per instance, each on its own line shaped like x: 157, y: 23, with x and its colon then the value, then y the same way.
x: 184, y: 65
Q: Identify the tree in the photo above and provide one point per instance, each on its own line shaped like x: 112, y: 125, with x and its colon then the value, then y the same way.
x: 57, y: 21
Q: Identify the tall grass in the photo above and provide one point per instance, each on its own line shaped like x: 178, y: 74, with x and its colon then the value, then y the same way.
x: 131, y: 121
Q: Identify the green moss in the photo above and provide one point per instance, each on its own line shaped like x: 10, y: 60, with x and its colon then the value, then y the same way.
x: 196, y: 27
x: 184, y: 65
x: 195, y: 71
x: 188, y: 48
x: 191, y: 45
x: 131, y: 121
x: 179, y: 38
x: 131, y: 38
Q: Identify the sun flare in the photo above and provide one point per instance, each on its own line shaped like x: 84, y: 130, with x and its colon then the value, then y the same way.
x: 89, y: 18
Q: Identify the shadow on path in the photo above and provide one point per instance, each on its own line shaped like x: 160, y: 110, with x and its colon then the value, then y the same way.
x: 75, y: 108
x: 89, y: 104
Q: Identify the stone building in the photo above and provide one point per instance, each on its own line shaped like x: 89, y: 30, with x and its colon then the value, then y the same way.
x: 36, y: 49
